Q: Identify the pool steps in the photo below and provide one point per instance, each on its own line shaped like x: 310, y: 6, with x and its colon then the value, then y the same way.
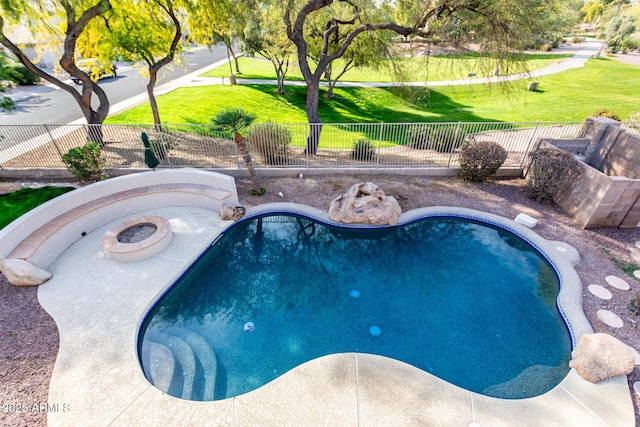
x: 205, y: 354
x: 185, y: 349
x: 161, y: 364
x: 185, y: 358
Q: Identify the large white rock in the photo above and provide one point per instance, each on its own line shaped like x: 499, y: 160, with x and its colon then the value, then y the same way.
x: 598, y: 357
x: 365, y: 203
x: 22, y: 273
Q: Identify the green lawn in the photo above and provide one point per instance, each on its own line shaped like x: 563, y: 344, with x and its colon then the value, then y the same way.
x: 568, y: 96
x: 434, y: 68
x: 16, y: 204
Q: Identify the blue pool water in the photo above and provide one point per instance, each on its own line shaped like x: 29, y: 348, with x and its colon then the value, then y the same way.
x: 469, y: 302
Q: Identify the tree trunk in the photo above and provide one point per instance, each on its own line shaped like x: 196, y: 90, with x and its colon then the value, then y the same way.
x: 95, y: 118
x: 95, y: 134
x: 153, y: 78
x: 246, y: 157
x: 315, y: 124
x: 280, y: 77
x: 235, y: 61
x: 332, y: 84
x: 280, y: 84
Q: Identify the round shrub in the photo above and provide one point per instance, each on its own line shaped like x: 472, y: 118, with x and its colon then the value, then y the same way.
x: 603, y: 112
x: 442, y: 138
x: 481, y: 160
x: 272, y: 141
x: 551, y: 173
x: 363, y: 150
x: 86, y: 163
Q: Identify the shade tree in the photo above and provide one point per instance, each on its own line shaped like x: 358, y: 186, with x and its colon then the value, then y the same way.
x: 148, y: 32
x: 498, y: 25
x: 217, y: 21
x: 265, y: 34
x: 62, y: 21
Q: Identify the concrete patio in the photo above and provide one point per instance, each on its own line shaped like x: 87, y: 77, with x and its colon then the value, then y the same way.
x: 99, y: 305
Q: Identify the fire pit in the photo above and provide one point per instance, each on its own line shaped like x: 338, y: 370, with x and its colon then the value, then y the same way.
x: 138, y: 238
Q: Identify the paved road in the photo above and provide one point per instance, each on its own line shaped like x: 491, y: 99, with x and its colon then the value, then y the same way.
x: 48, y: 104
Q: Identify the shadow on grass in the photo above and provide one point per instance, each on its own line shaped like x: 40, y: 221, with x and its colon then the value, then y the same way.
x: 378, y: 105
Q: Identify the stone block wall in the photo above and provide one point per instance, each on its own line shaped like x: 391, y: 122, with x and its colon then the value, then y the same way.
x: 608, y: 193
x: 618, y: 153
x: 575, y: 146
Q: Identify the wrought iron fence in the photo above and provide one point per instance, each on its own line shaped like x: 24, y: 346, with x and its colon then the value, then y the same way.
x: 353, y: 145
x: 631, y: 127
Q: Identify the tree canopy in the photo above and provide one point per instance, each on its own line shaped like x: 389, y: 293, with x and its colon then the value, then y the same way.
x: 147, y: 32
x: 63, y: 21
x: 499, y: 26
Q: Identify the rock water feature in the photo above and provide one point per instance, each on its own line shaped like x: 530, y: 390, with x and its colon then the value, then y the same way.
x: 365, y: 203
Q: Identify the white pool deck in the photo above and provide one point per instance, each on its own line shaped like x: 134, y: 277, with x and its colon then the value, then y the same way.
x: 99, y: 304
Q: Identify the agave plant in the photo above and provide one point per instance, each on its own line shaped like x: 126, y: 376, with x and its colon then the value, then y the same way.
x: 236, y: 121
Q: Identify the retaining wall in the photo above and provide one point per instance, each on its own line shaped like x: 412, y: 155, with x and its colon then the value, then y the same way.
x: 608, y: 193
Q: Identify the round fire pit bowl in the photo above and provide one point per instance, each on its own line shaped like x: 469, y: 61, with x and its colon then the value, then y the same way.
x: 138, y: 238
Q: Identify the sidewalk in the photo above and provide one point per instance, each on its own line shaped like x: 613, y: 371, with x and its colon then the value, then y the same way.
x: 590, y: 47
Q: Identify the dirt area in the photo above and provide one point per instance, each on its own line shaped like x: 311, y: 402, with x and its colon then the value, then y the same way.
x: 29, y: 338
x: 632, y: 58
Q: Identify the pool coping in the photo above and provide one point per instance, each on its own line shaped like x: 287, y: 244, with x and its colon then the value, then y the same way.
x: 97, y: 372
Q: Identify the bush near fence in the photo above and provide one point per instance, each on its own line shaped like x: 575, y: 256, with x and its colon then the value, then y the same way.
x: 193, y: 145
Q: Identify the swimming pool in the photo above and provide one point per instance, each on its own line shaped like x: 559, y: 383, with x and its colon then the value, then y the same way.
x: 467, y: 301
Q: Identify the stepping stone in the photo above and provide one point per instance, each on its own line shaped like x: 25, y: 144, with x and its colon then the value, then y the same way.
x: 610, y: 318
x: 637, y: 274
x: 599, y: 291
x: 635, y: 255
x: 636, y: 355
x: 636, y: 387
x: 637, y: 243
x: 617, y: 283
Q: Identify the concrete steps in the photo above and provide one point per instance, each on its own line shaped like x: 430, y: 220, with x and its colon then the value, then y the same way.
x: 159, y: 362
x: 205, y: 354
x: 173, y: 360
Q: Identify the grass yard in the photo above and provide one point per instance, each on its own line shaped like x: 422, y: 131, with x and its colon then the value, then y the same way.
x: 16, y: 204
x: 568, y: 96
x: 435, y: 68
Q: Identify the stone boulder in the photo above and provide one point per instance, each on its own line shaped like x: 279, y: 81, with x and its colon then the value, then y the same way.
x: 22, y: 273
x: 230, y: 212
x: 365, y: 203
x: 598, y: 357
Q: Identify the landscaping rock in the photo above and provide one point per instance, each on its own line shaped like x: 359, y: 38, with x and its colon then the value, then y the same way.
x: 22, y: 273
x: 598, y: 357
x: 230, y: 212
x: 365, y: 203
